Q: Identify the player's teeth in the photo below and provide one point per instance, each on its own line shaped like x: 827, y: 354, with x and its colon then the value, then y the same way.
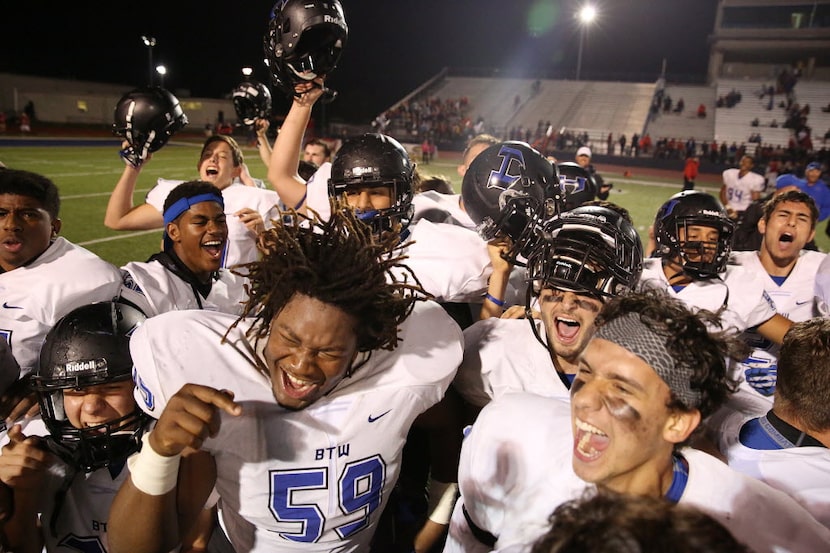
x: 297, y: 382
x: 584, y: 426
x: 583, y: 442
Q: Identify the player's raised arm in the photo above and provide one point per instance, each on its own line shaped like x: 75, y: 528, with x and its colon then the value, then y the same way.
x: 170, y: 480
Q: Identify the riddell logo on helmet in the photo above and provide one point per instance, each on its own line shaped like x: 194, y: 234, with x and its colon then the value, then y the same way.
x: 710, y: 213
x: 84, y: 366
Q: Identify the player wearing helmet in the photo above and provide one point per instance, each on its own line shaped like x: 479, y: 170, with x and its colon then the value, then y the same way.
x: 324, y: 376
x: 249, y: 209
x: 589, y: 254
x: 34, y: 257
x: 578, y: 184
x: 693, y: 235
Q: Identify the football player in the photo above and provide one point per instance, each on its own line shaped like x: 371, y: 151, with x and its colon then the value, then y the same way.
x: 651, y: 373
x: 592, y: 253
x: 188, y: 273
x: 34, y: 258
x: 62, y: 485
x: 296, y: 413
x: 786, y: 446
x: 145, y: 117
x: 787, y: 225
x: 693, y: 235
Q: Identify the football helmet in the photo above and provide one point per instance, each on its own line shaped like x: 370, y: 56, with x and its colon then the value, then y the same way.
x: 376, y: 160
x: 510, y: 189
x: 87, y: 347
x: 700, y: 259
x: 146, y: 118
x: 589, y: 250
x: 577, y: 183
x: 251, y: 101
x: 304, y: 40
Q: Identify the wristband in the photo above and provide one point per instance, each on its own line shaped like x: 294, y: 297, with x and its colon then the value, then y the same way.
x: 442, y: 496
x: 495, y: 300
x: 152, y: 473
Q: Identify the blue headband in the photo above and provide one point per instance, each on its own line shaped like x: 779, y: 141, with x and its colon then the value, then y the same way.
x: 183, y: 204
x: 180, y: 206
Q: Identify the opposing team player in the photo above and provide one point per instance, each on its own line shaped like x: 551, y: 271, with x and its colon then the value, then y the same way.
x: 592, y: 253
x: 34, y: 257
x: 63, y: 484
x: 787, y: 225
x: 188, y: 273
x: 693, y: 235
x: 301, y: 425
x: 144, y: 116
x: 786, y: 447
x: 651, y: 373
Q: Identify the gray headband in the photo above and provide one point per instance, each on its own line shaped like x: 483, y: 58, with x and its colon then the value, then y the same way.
x: 629, y: 332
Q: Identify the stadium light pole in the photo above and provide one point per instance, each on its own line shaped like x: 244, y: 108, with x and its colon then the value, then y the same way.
x: 162, y: 71
x: 586, y: 16
x: 149, y: 42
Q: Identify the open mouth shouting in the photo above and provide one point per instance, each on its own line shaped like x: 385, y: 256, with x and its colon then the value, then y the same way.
x: 589, y: 441
x: 214, y: 248
x: 298, y: 388
x: 567, y: 329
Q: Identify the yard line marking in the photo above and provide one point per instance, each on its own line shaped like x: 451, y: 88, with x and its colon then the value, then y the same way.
x: 95, y: 194
x: 118, y: 237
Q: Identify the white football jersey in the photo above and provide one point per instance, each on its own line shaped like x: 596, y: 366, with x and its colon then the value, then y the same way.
x: 503, y: 356
x: 154, y: 290
x: 450, y: 261
x: 443, y: 208
x: 317, y: 191
x: 794, y: 299
x: 739, y: 189
x: 241, y: 247
x: 316, y: 479
x: 740, y: 289
x: 822, y: 288
x: 802, y: 472
x: 35, y: 296
x: 516, y: 468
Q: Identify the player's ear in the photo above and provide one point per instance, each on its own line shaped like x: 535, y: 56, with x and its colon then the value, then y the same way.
x: 680, y: 425
x: 56, y: 227
x: 172, y: 230
x: 762, y: 226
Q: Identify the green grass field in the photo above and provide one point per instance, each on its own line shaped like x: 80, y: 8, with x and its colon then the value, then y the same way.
x: 86, y: 175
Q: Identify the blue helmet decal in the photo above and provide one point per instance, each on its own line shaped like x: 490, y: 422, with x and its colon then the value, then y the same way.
x: 670, y: 205
x: 572, y: 185
x: 503, y: 179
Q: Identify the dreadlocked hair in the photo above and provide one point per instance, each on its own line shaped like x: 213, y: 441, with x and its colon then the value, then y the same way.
x: 338, y: 262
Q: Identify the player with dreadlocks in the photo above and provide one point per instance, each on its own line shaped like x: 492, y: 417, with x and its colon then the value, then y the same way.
x: 297, y: 412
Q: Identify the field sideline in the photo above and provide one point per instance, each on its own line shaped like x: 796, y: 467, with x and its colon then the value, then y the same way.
x: 86, y: 175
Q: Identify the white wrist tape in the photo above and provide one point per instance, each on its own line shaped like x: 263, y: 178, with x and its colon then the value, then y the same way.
x: 152, y: 473
x: 442, y: 496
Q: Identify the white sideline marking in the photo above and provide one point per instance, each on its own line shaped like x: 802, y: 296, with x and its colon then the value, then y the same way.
x: 119, y: 237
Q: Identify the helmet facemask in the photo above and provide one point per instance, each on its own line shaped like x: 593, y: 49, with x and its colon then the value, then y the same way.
x: 518, y: 220
x: 701, y: 259
x: 394, y: 218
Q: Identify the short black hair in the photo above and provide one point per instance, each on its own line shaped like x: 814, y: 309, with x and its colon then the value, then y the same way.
x: 32, y: 185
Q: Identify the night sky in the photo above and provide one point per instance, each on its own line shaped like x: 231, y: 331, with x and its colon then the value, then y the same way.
x: 394, y: 45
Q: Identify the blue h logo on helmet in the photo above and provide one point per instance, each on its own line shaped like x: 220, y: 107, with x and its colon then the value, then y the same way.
x: 502, y: 178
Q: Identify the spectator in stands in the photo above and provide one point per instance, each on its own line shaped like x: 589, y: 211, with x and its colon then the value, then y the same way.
x: 25, y: 123
x: 610, y: 144
x: 622, y: 141
x: 755, y: 122
x: 681, y: 105
x: 635, y: 145
x: 690, y: 171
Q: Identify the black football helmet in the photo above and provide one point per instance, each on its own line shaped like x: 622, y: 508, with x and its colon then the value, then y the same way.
x: 251, y: 101
x: 692, y: 207
x: 590, y: 250
x: 376, y: 160
x: 146, y: 118
x: 304, y: 40
x: 510, y: 189
x: 577, y: 183
x: 87, y: 347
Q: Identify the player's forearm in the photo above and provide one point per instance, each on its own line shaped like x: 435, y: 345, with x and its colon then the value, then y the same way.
x: 158, y: 531
x: 285, y: 156
x: 496, y: 289
x: 22, y: 533
x: 121, y: 199
x: 264, y: 148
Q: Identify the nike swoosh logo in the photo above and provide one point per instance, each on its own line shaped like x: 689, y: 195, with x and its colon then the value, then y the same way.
x: 7, y: 306
x: 803, y: 302
x: 373, y: 419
